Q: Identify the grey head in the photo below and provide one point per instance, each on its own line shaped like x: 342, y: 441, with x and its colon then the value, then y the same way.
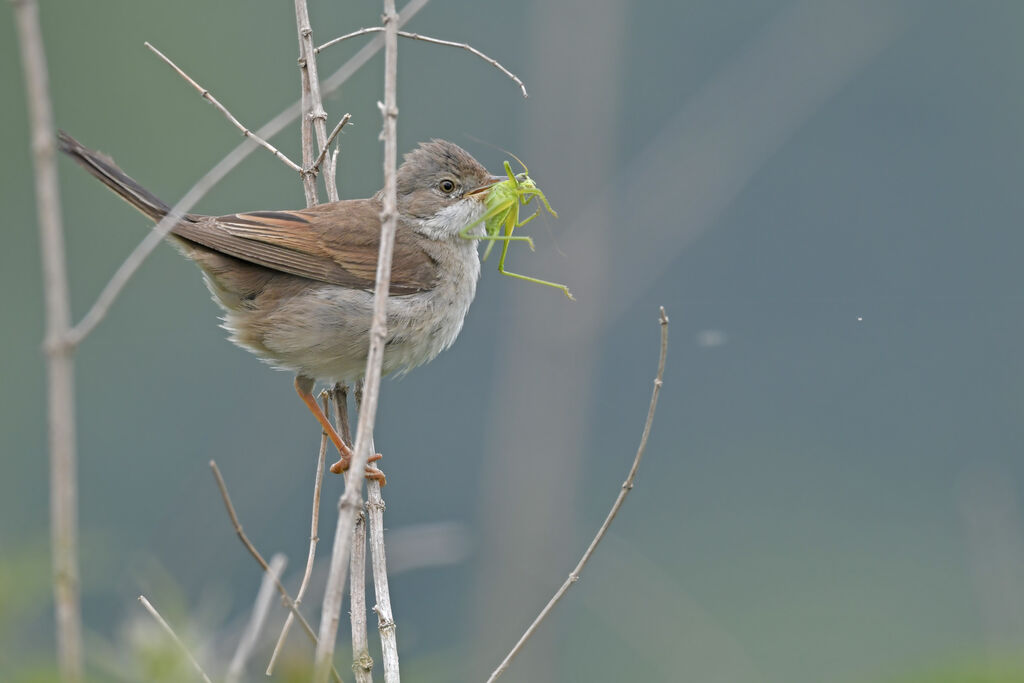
x: 441, y: 189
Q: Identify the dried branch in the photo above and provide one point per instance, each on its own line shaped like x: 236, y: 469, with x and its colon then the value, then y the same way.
x: 206, y: 95
x: 251, y: 635
x: 323, y: 153
x: 348, y: 505
x: 60, y: 369
x: 131, y: 264
x: 436, y: 41
x: 174, y: 636
x: 308, y: 107
x: 362, y: 662
x: 311, y: 90
x: 285, y: 597
x: 314, y: 538
x: 382, y: 592
x: 627, y: 486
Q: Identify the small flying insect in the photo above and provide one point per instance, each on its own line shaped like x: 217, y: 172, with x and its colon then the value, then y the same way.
x: 503, y: 201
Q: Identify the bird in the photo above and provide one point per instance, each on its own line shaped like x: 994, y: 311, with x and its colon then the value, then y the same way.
x: 296, y: 286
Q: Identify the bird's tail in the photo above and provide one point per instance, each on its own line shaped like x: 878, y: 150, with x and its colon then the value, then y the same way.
x: 104, y: 168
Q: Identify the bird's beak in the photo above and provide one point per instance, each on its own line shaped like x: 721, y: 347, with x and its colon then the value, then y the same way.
x: 488, y: 184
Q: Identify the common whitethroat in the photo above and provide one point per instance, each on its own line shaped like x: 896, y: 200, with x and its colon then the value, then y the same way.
x: 297, y: 286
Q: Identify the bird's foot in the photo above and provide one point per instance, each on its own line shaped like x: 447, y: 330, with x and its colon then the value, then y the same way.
x: 371, y: 472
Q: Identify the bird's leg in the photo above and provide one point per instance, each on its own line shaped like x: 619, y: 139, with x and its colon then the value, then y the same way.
x: 304, y: 387
x: 340, y: 395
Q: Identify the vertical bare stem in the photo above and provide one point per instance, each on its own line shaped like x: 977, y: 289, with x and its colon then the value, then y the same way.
x: 385, y: 619
x: 349, y: 503
x: 59, y: 360
x: 306, y: 123
x: 317, y: 114
x: 362, y: 662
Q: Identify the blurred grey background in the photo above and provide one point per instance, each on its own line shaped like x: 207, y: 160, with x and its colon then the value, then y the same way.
x: 825, y: 196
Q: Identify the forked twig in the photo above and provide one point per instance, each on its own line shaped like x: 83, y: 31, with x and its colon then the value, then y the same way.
x: 436, y: 41
x: 314, y: 538
x: 285, y: 597
x: 208, y: 96
x: 627, y: 486
x: 330, y: 139
x: 174, y: 636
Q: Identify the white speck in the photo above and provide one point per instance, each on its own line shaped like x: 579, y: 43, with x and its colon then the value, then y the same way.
x: 711, y: 338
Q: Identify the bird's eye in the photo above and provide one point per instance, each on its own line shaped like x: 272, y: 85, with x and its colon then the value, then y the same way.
x: 447, y: 186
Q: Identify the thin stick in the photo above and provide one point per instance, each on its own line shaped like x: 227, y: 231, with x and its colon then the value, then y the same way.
x: 251, y: 634
x: 287, y: 599
x: 309, y: 110
x: 208, y: 96
x: 385, y: 618
x: 314, y: 538
x: 436, y: 41
x: 627, y: 486
x: 323, y: 152
x: 362, y: 662
x: 331, y: 610
x: 174, y: 636
x: 60, y: 377
x: 317, y: 114
x: 130, y: 265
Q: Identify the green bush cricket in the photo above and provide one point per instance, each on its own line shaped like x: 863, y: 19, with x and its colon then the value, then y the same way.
x: 503, y: 202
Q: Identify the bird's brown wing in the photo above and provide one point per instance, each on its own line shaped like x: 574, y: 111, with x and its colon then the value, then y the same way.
x: 313, y: 244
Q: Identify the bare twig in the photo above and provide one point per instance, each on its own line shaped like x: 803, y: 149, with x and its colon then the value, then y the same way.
x: 317, y: 114
x: 378, y: 331
x: 308, y: 106
x: 385, y: 619
x: 323, y: 152
x: 285, y: 597
x: 174, y: 636
x: 251, y: 635
x: 381, y: 590
x: 436, y: 41
x: 313, y: 540
x: 59, y: 355
x: 334, y: 166
x: 627, y: 486
x: 362, y: 662
x: 208, y: 96
x: 131, y: 264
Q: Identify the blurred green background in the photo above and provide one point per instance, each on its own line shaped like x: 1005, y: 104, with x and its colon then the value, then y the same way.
x: 826, y: 197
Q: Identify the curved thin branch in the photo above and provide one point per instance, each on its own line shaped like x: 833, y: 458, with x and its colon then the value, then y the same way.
x: 314, y: 538
x: 285, y: 597
x: 627, y: 486
x: 436, y: 41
